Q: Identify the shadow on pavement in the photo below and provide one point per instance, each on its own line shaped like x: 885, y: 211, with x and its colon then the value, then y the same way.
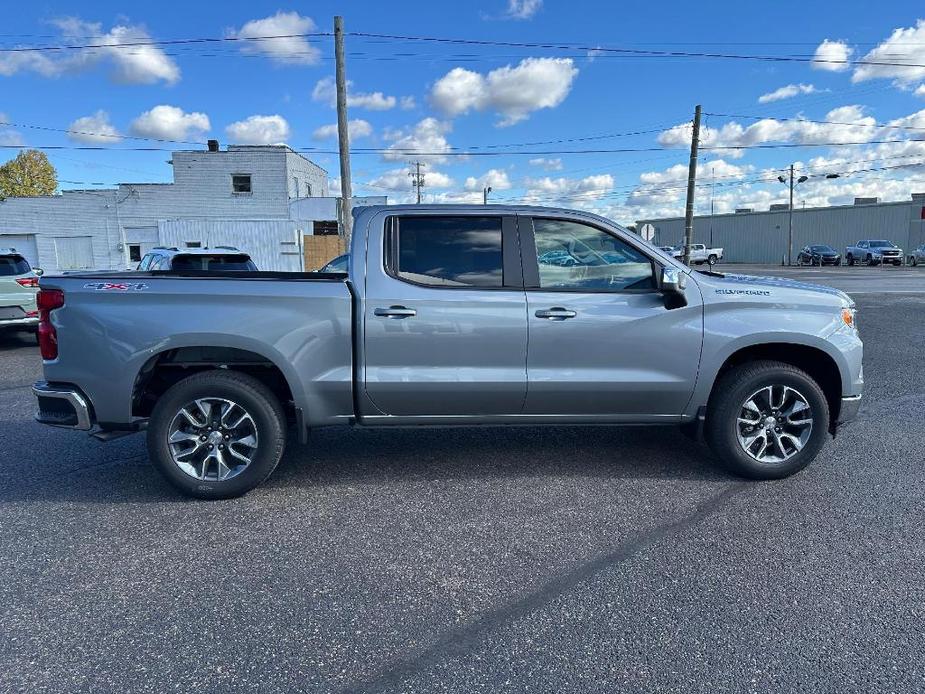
x: 72, y: 468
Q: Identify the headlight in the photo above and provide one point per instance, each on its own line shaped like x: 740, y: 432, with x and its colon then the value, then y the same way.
x: 847, y: 316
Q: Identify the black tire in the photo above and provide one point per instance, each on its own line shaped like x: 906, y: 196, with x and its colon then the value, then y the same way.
x: 915, y: 261
x: 850, y: 260
x: 712, y: 260
x: 838, y: 262
x: 870, y: 260
x: 729, y: 395
x: 814, y: 263
x: 264, y: 408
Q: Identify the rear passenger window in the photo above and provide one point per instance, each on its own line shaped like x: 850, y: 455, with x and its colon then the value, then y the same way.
x: 448, y: 251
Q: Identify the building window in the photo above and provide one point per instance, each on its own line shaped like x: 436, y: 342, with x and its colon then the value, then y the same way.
x: 309, y: 194
x: 324, y: 228
x: 134, y: 253
x: 194, y: 244
x: 241, y: 183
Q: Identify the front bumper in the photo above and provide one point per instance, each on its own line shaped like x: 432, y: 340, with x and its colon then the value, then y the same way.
x: 62, y: 406
x: 850, y: 404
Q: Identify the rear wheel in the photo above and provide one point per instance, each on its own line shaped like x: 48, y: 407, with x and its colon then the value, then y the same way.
x: 217, y: 434
x: 712, y: 260
x: 850, y: 259
x: 766, y: 420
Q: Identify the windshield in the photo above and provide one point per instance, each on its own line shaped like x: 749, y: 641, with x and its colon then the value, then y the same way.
x: 881, y: 244
x: 214, y: 263
x: 823, y: 249
x: 13, y: 265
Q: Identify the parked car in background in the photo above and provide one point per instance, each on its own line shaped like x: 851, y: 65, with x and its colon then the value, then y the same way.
x: 818, y: 254
x: 700, y: 254
x: 18, y: 286
x: 917, y: 255
x: 218, y: 259
x: 338, y: 264
x: 450, y: 315
x: 874, y: 252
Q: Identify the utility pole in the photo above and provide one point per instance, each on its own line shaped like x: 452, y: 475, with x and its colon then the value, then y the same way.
x: 712, y: 196
x: 417, y: 178
x: 343, y: 137
x: 485, y: 191
x: 691, y: 180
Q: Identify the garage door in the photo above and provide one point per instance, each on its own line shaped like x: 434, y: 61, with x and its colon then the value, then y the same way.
x: 74, y: 252
x: 24, y: 245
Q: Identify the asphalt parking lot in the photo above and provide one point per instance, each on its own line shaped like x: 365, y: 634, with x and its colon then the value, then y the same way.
x: 500, y: 560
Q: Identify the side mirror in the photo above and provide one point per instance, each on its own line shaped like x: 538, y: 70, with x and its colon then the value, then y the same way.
x: 671, y: 284
x: 38, y: 271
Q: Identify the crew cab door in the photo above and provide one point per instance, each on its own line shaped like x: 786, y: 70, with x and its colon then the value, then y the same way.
x: 445, y: 316
x: 601, y: 341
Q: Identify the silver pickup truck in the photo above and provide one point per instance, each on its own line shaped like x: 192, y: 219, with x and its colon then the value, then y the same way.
x: 448, y: 315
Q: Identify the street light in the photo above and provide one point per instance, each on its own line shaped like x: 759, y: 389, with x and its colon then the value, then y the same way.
x: 801, y: 179
x: 485, y: 191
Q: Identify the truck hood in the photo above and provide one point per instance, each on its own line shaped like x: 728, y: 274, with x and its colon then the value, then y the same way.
x: 771, y: 287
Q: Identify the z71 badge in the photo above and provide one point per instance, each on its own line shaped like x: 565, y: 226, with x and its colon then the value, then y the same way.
x: 116, y: 286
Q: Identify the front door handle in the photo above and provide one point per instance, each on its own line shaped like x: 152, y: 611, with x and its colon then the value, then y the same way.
x: 556, y: 313
x: 395, y: 312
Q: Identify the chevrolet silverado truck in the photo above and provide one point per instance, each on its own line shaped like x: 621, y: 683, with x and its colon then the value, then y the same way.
x: 874, y: 252
x: 700, y: 254
x: 448, y: 316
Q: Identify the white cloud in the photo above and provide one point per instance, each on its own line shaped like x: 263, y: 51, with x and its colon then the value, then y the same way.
x: 399, y: 180
x: 523, y: 9
x: 787, y: 92
x: 920, y: 91
x: 95, y: 129
x: 570, y: 191
x: 325, y: 91
x: 170, y: 123
x: 849, y: 124
x: 513, y: 92
x: 136, y: 64
x: 357, y: 128
x: 259, y: 130
x: 495, y: 178
x: 547, y: 164
x: 426, y: 141
x: 904, y: 50
x: 832, y: 56
x: 8, y: 136
x: 291, y: 47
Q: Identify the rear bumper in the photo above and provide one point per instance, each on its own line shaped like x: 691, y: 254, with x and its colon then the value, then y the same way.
x: 850, y: 405
x: 62, y: 406
x: 26, y: 322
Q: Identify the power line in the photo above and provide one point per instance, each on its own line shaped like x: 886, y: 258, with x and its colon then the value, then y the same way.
x: 885, y: 126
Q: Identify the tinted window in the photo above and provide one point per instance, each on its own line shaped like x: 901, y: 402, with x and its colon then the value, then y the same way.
x: 881, y: 244
x: 822, y: 249
x: 145, y: 262
x: 214, y: 263
x: 339, y: 264
x: 449, y: 251
x: 577, y: 256
x: 13, y: 265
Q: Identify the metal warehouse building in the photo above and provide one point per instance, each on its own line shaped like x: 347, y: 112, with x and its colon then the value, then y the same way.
x: 753, y: 236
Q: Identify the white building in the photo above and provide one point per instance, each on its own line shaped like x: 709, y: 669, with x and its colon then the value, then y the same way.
x: 251, y: 197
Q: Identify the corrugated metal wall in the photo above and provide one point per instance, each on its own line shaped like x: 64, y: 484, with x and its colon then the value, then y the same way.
x: 272, y: 244
x: 761, y: 237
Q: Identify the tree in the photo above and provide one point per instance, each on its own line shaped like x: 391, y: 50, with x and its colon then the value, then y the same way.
x: 28, y: 175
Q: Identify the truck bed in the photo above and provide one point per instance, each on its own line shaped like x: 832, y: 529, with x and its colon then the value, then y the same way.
x: 114, y: 325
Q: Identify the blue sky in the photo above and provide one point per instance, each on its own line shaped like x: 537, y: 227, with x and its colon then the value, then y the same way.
x: 441, y: 97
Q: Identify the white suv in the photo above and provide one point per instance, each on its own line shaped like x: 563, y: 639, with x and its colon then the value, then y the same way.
x: 18, y: 287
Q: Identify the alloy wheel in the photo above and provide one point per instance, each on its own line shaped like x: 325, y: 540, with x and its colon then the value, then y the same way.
x: 212, y: 439
x: 774, y: 424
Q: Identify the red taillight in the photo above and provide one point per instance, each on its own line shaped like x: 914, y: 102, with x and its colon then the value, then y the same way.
x: 28, y: 281
x: 48, y: 300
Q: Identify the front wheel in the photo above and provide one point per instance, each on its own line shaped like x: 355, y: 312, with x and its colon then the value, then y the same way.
x: 914, y: 260
x: 766, y: 420
x: 217, y: 434
x: 850, y: 260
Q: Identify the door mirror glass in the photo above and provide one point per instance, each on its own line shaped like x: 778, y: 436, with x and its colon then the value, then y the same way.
x: 672, y: 283
x: 38, y: 271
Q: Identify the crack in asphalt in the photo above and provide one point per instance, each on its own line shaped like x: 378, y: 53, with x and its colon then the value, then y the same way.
x: 459, y: 641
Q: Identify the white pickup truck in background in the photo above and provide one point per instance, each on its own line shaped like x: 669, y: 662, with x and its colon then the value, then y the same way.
x: 700, y: 254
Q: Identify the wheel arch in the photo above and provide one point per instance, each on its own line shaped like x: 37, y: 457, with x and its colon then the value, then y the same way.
x: 817, y: 362
x: 175, y: 362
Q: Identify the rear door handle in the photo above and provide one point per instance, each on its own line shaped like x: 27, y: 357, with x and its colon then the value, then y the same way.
x: 556, y: 313
x: 395, y: 312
